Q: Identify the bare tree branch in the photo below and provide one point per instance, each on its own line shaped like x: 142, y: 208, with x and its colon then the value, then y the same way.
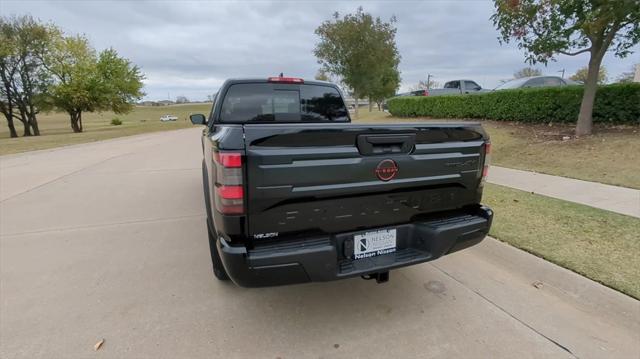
x: 575, y: 53
x: 609, y: 38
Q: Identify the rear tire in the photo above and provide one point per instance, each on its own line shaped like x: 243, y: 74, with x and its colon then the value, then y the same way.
x: 218, y: 268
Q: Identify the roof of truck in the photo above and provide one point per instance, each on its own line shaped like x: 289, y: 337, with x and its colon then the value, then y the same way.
x: 266, y: 79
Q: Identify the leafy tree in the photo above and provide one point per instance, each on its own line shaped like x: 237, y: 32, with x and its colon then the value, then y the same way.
x: 423, y: 85
x: 361, y: 51
x: 322, y: 75
x: 87, y: 82
x: 581, y: 75
x: 389, y: 83
x: 527, y: 72
x: 25, y: 80
x: 73, y: 62
x: 182, y: 99
x: 627, y: 76
x: 120, y: 83
x: 546, y: 28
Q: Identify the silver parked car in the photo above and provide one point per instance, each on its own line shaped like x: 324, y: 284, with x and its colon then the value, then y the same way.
x: 536, y: 81
x: 455, y: 87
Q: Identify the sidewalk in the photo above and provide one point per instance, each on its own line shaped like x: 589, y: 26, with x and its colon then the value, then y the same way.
x: 611, y: 198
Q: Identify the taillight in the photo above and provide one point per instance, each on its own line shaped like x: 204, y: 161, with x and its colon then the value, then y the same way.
x: 230, y: 192
x: 487, y: 161
x: 286, y: 80
x: 228, y: 159
x: 229, y: 197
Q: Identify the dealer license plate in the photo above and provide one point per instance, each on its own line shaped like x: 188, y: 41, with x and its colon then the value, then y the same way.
x: 371, y: 244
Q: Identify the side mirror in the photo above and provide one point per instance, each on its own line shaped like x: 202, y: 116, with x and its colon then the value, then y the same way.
x: 198, y: 119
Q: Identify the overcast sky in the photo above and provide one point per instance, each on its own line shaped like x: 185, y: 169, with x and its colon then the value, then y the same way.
x: 190, y: 48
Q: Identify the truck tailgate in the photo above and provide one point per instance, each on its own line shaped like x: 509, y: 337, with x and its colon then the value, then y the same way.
x: 305, y: 179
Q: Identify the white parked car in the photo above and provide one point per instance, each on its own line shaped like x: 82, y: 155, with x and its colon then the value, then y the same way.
x: 166, y: 118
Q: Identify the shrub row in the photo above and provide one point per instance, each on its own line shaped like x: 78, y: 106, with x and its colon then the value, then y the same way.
x: 615, y: 104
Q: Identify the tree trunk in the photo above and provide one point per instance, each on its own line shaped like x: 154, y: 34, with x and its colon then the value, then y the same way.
x: 25, y: 121
x: 76, y: 121
x: 370, y: 105
x: 8, y: 108
x: 33, y: 120
x: 12, y: 128
x: 34, y: 125
x: 355, y: 98
x: 27, y: 129
x: 585, y: 118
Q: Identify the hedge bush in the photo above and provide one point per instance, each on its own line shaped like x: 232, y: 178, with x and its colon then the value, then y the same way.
x: 615, y: 104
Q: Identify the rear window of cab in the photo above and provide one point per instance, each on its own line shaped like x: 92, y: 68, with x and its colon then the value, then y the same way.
x: 268, y: 102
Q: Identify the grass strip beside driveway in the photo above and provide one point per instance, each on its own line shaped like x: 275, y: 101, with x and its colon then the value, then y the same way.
x: 610, y: 155
x: 598, y: 244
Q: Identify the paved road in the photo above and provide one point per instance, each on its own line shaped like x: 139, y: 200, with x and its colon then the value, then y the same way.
x: 612, y: 198
x: 107, y: 241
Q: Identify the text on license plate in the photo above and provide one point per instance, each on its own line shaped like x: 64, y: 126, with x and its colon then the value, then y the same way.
x: 371, y: 244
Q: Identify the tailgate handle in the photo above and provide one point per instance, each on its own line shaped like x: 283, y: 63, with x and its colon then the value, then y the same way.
x: 385, y: 144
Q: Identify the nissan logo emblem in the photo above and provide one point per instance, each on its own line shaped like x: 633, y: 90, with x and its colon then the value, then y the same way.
x: 386, y: 170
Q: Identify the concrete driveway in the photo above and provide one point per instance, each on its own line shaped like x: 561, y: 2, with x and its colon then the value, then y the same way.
x: 108, y: 241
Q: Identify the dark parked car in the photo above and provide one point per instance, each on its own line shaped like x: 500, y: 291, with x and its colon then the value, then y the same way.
x: 295, y: 193
x: 536, y: 81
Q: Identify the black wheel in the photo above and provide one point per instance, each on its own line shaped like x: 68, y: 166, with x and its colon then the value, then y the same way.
x: 218, y: 268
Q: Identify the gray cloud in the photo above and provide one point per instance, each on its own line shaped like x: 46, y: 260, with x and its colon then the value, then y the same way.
x: 190, y: 47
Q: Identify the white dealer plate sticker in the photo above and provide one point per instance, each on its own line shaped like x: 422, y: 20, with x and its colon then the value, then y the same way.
x: 371, y: 244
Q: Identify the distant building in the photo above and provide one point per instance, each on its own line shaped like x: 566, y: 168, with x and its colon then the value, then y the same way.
x: 165, y: 102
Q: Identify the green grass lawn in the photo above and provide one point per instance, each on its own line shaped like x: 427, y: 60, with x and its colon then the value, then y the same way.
x: 56, y: 131
x: 598, y: 244
x: 611, y: 155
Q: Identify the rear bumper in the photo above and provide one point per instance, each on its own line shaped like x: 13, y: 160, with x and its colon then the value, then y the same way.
x: 328, y: 258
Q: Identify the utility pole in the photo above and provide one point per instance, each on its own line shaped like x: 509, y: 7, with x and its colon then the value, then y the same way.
x: 562, y: 72
x: 429, y: 76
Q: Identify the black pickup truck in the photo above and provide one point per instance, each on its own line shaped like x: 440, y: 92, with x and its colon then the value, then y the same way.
x: 295, y: 193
